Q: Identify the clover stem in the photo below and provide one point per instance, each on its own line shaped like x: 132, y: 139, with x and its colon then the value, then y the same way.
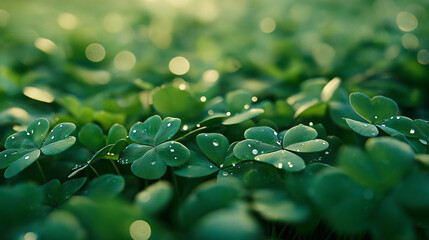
x: 95, y: 171
x: 115, y: 167
x: 41, y: 171
x: 176, y: 185
x: 282, y: 231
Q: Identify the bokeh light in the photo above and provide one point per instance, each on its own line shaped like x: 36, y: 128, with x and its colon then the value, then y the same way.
x: 67, y: 21
x: 140, y: 230
x: 267, y: 25
x: 124, y: 60
x: 406, y: 21
x: 179, y: 65
x: 46, y: 45
x: 423, y: 56
x: 95, y: 52
x: 410, y: 41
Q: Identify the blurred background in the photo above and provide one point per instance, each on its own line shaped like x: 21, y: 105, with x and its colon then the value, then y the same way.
x: 102, y: 60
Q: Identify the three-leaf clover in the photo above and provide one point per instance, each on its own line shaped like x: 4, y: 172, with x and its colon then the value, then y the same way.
x: 373, y: 110
x: 151, y: 155
x: 263, y: 144
x: 218, y: 152
x: 24, y: 147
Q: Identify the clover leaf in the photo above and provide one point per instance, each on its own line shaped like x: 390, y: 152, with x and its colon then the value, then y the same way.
x: 265, y: 145
x: 373, y: 110
x: 151, y: 155
x: 384, y: 163
x: 218, y: 152
x: 414, y: 132
x: 57, y: 193
x: 110, y: 147
x: 24, y: 147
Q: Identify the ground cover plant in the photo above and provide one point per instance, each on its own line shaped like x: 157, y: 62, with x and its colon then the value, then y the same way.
x: 214, y: 120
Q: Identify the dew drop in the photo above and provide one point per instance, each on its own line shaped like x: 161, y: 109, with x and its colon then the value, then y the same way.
x: 61, y: 125
x: 175, y: 158
x: 249, y: 145
x: 324, y: 143
x: 153, y: 163
x: 280, y: 165
x: 215, y: 143
x: 375, y: 117
x: 424, y: 142
x: 412, y: 131
x: 134, y: 131
x: 172, y: 150
x: 211, y: 166
x: 221, y: 166
x: 275, y: 133
x: 27, y: 157
x: 225, y: 174
x: 228, y: 113
x: 233, y: 164
x: 52, y: 137
x: 298, y: 150
x: 310, y: 123
x: 169, y: 124
x: 28, y: 134
x: 198, y: 125
x: 255, y: 151
x: 397, y: 117
x: 13, y: 137
x: 326, y: 152
x: 38, y: 123
x: 5, y: 155
x: 366, y: 125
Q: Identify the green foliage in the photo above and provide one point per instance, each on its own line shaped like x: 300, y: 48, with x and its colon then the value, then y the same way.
x: 202, y: 119
x: 25, y: 147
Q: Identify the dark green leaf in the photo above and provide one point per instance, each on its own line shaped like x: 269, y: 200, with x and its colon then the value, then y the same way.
x: 59, y: 140
x: 214, y: 146
x: 284, y: 160
x: 264, y: 134
x: 21, y: 163
x: 249, y: 149
x: 116, y: 133
x: 19, y: 140
x: 196, y: 166
x: 149, y: 166
x: 37, y: 130
x: 155, y: 197
x: 92, y: 137
x: 298, y: 134
x: 133, y: 152
x: 172, y: 153
x: 107, y: 185
x: 276, y: 206
x: 364, y: 129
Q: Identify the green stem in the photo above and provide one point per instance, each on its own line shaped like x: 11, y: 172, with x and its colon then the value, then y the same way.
x: 95, y: 171
x: 282, y: 231
x: 41, y: 171
x: 176, y: 185
x: 116, y: 168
